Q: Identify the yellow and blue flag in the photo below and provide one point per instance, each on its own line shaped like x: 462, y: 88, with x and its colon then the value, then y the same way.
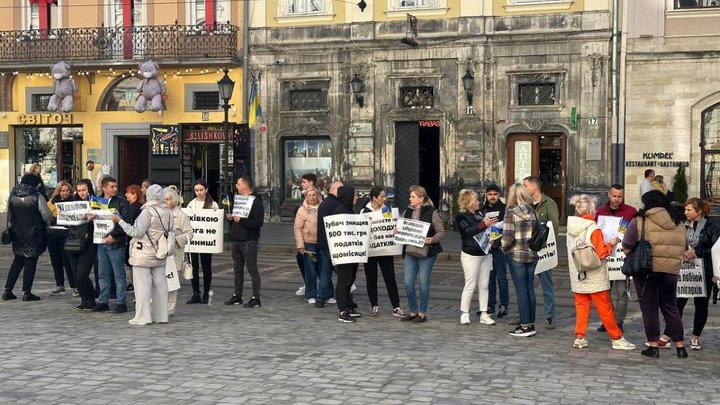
x: 99, y: 203
x: 254, y: 109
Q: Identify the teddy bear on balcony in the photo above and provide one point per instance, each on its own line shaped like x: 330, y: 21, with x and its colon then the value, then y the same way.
x: 64, y: 88
x: 151, y: 88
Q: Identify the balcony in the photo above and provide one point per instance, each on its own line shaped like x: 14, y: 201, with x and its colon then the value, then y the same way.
x: 118, y: 46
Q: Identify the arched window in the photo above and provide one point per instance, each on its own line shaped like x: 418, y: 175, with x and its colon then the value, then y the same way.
x: 710, y: 149
x: 121, y: 96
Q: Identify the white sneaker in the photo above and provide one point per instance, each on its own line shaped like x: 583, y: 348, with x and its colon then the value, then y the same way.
x: 134, y: 322
x: 76, y: 293
x: 580, y: 343
x: 301, y: 291
x: 398, y: 312
x: 375, y: 311
x: 331, y: 300
x: 312, y: 301
x: 486, y: 319
x: 465, y: 318
x: 622, y: 344
x: 353, y: 288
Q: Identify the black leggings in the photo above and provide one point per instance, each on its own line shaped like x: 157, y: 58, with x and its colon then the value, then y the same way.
x: 387, y: 266
x: 60, y: 263
x: 345, y: 277
x: 81, y: 264
x: 204, y: 260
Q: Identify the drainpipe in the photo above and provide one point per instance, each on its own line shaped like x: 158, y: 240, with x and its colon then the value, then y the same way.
x: 246, y: 81
x: 618, y: 144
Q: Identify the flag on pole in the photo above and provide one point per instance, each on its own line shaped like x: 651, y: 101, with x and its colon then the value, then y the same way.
x: 254, y: 111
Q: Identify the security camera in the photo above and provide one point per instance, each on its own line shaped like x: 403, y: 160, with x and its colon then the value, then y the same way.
x: 279, y: 61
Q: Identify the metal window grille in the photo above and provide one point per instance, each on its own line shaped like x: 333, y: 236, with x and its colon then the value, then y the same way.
x: 416, y: 96
x: 39, y: 102
x: 536, y: 94
x: 206, y: 100
x: 306, y: 100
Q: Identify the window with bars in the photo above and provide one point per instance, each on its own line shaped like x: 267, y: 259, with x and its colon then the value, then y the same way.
x: 39, y: 102
x: 536, y: 94
x: 306, y: 100
x: 206, y: 100
x: 416, y: 97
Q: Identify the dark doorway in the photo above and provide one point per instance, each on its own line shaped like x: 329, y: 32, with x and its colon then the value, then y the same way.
x: 133, y: 161
x: 417, y: 161
x: 206, y: 165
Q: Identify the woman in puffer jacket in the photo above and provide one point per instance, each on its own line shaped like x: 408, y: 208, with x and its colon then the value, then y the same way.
x: 305, y: 229
x: 148, y: 270
x: 591, y: 285
x: 183, y: 236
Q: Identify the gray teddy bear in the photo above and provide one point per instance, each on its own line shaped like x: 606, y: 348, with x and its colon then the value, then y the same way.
x: 64, y: 88
x: 151, y: 88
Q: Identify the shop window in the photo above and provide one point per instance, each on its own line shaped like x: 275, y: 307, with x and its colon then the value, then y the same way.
x: 710, y: 143
x: 416, y: 97
x: 206, y: 100
x: 39, y: 102
x: 312, y: 155
x: 121, y: 96
x: 56, y: 149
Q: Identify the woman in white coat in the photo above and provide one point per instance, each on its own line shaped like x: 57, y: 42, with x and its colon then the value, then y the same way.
x: 151, y: 288
x: 183, y: 236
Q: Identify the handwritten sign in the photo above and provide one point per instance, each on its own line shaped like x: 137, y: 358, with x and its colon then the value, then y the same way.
x: 72, y: 213
x: 348, y: 238
x: 103, y: 225
x: 382, y: 240
x: 691, y: 282
x: 243, y: 205
x: 207, y: 226
x: 411, y: 232
x: 548, y: 256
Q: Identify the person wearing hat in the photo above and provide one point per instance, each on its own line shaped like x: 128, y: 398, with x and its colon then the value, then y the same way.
x: 29, y: 217
x: 493, y: 207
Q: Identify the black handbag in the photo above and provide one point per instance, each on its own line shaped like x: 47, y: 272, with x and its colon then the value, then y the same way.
x: 76, y: 245
x: 7, y: 233
x: 638, y: 262
x: 539, y: 236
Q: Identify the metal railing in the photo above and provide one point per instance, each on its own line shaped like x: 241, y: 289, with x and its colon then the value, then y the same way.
x: 178, y: 42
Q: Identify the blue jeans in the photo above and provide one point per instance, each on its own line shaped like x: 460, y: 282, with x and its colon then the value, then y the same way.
x: 548, y: 293
x: 498, y: 272
x: 326, y: 269
x: 111, y: 262
x: 311, y: 272
x: 418, y: 268
x: 523, y: 276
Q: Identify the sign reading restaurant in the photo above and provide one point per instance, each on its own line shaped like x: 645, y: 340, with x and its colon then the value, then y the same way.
x: 656, y: 159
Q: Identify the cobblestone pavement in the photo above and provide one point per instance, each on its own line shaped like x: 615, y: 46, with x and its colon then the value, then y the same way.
x: 290, y: 352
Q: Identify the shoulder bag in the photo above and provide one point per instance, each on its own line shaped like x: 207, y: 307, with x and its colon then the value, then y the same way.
x: 539, y: 237
x: 419, y: 252
x: 638, y: 262
x: 585, y: 257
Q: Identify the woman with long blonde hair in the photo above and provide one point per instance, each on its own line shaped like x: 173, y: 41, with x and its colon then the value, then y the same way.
x: 56, y: 241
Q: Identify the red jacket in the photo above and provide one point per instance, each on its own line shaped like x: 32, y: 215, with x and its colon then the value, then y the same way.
x: 624, y: 211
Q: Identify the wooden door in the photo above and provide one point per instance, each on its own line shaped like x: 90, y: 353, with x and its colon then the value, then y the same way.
x: 132, y: 161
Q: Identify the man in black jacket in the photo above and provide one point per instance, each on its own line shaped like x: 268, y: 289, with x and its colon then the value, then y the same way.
x: 111, y: 253
x: 245, y: 233
x: 325, y: 268
x: 495, y: 208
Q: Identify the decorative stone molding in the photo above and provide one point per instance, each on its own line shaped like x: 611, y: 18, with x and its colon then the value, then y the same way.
x: 597, y: 62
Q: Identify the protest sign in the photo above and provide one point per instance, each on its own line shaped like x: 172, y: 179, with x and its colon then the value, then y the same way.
x: 548, y: 256
x: 348, y: 237
x: 243, y: 205
x: 715, y: 252
x: 691, y: 282
x: 171, y: 274
x: 382, y: 240
x: 610, y: 227
x: 72, y: 213
x: 207, y: 226
x: 483, y: 240
x: 615, y: 263
x: 103, y: 225
x: 411, y: 232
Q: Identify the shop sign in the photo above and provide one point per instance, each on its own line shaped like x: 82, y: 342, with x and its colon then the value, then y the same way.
x: 523, y: 160
x: 430, y: 123
x: 165, y: 140
x: 657, y: 159
x: 45, y: 119
x: 204, y: 136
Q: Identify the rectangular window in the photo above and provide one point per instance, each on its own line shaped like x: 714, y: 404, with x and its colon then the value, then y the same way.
x: 305, y: 156
x: 305, y: 6
x: 416, y: 97
x: 39, y: 102
x: 689, y: 4
x: 417, y: 3
x: 206, y: 100
x: 536, y: 94
x: 307, y: 100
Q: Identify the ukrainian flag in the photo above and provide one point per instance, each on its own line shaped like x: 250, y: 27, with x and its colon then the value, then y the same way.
x: 254, y: 110
x: 99, y: 203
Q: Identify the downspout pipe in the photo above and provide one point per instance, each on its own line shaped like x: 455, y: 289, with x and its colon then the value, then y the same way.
x: 246, y: 82
x: 618, y: 146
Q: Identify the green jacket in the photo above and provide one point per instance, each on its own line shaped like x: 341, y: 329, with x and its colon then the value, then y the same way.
x: 547, y: 210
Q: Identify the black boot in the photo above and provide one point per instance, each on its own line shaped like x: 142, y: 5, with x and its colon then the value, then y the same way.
x: 195, y: 299
x: 653, y: 352
x: 682, y: 353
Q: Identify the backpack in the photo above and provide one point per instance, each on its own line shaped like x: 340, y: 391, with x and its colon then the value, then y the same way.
x: 584, y: 257
x: 166, y: 243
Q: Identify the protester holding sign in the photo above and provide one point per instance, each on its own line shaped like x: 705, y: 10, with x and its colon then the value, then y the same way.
x: 702, y: 233
x: 657, y: 291
x: 325, y: 268
x: 57, y: 234
x: 306, y: 243
x: 346, y: 271
x: 202, y: 200
x: 475, y: 258
x: 518, y: 225
x: 80, y: 250
x: 183, y: 236
x: 418, y: 268
x: 386, y: 262
x: 591, y: 285
x: 151, y: 284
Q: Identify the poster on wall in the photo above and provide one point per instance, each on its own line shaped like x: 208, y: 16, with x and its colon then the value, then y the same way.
x: 305, y: 156
x: 165, y: 140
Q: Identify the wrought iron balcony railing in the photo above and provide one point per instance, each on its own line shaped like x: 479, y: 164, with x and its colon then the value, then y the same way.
x: 103, y: 44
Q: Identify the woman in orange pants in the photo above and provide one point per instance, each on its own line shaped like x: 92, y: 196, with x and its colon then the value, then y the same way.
x: 591, y: 285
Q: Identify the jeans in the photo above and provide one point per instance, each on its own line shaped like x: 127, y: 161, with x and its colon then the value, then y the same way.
x: 523, y: 276
x: 18, y: 264
x: 300, y: 259
x: 111, y: 262
x: 548, y: 293
x: 245, y: 253
x: 499, y: 273
x: 325, y: 268
x: 416, y: 268
x: 310, y: 271
x: 477, y: 275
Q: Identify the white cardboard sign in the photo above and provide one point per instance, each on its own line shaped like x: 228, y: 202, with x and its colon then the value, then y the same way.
x: 382, y: 240
x: 348, y: 238
x: 411, y: 232
x: 72, y: 213
x: 548, y: 256
x: 207, y: 226
x: 242, y: 205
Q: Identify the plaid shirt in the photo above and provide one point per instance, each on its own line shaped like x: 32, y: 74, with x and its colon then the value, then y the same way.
x: 518, y: 226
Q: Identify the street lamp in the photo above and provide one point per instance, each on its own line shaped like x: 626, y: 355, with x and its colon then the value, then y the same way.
x: 468, y: 84
x: 225, y: 90
x: 357, y: 87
